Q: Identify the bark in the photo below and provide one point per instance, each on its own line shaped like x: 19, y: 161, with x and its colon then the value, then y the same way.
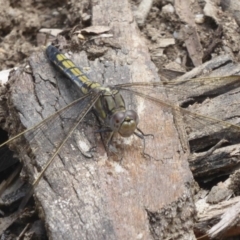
x: 214, y: 143
x: 223, y: 217
x: 102, y: 197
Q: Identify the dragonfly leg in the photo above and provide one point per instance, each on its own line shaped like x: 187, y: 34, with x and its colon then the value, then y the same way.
x: 107, y: 137
x: 142, y: 135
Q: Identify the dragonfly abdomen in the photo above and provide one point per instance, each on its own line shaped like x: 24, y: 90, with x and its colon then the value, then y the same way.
x: 70, y: 70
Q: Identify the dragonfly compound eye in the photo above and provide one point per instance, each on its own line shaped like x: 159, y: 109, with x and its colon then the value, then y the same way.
x: 125, y: 122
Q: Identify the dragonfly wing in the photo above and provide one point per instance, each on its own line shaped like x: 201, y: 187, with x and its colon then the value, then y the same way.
x: 41, y: 140
x: 212, y: 127
x: 198, y: 88
x: 205, y: 123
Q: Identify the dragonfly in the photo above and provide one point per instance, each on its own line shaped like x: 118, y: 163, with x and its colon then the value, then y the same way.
x: 108, y: 105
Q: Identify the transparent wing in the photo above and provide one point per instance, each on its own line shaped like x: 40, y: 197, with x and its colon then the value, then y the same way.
x: 204, y: 130
x: 51, y: 133
x: 185, y: 89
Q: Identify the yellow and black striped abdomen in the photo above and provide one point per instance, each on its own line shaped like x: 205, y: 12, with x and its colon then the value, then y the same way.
x: 71, y: 71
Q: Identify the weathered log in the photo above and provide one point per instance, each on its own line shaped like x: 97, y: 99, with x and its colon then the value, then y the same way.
x: 101, y: 198
x: 221, y: 162
x: 223, y: 217
x: 216, y: 98
x: 216, y: 143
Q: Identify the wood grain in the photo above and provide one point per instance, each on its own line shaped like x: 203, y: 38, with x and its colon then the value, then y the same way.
x: 101, y: 197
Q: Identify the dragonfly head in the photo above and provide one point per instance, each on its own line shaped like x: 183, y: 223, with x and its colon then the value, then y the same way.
x: 124, y: 122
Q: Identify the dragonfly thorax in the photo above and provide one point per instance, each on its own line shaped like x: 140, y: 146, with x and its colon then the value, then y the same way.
x: 124, y: 122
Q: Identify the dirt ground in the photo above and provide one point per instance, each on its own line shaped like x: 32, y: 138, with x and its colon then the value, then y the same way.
x: 20, y: 22
x: 215, y: 31
x: 180, y: 36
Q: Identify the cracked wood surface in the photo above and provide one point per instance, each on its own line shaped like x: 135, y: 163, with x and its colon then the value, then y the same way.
x: 101, y: 198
